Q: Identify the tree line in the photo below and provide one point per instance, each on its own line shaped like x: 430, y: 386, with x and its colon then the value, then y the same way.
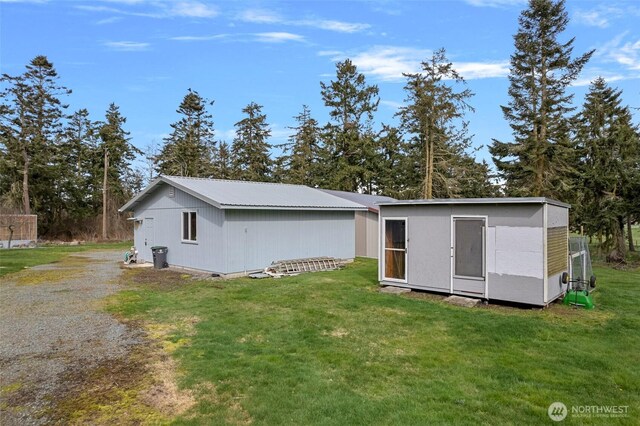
x: 71, y: 170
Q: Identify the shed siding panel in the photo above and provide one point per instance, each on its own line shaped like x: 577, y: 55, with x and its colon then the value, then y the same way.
x: 361, y: 233
x: 372, y: 235
x: 526, y: 215
x: 516, y: 288
x: 159, y: 199
x: 519, y: 251
x: 514, y: 244
x: 557, y: 216
x: 280, y: 235
x: 429, y: 245
x: 166, y: 212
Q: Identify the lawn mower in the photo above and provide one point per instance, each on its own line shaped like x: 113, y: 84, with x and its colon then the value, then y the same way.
x: 579, y: 289
x: 579, y: 292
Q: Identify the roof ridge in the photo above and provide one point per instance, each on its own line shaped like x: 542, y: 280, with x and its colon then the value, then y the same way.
x: 235, y: 180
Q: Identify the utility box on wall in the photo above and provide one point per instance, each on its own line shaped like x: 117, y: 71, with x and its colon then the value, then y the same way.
x: 511, y: 249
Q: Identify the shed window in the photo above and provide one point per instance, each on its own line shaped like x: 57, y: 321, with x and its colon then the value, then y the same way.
x: 189, y: 226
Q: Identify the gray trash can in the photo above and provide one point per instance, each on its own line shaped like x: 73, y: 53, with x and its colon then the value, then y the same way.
x: 159, y: 257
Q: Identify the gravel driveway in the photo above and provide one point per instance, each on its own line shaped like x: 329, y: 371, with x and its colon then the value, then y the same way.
x: 52, y: 325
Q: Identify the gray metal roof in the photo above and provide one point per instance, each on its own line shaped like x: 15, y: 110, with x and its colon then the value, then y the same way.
x: 233, y: 194
x: 367, y: 200
x: 507, y: 200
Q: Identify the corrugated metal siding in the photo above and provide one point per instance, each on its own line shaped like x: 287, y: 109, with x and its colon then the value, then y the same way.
x: 207, y: 254
x: 255, y: 238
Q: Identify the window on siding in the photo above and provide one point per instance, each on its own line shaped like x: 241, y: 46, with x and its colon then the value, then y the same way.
x: 189, y: 226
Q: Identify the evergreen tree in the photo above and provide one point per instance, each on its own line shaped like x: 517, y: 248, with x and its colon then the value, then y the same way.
x: 539, y: 161
x: 434, y: 121
x: 301, y: 154
x: 609, y: 148
x: 189, y: 149
x: 223, y: 162
x: 80, y: 164
x: 31, y: 116
x: 250, y: 151
x: 393, y: 169
x: 351, y: 151
x: 117, y: 153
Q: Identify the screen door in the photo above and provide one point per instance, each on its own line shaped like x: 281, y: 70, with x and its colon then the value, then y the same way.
x: 395, y: 249
x: 469, y: 272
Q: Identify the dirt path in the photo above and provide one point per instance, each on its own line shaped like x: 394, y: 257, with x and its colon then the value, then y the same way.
x: 52, y: 328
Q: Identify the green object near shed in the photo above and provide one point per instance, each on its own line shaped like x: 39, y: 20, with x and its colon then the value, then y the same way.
x: 579, y: 298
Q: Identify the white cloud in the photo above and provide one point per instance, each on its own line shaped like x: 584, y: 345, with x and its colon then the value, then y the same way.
x: 278, y: 37
x: 111, y: 20
x: 588, y: 76
x: 600, y: 17
x: 388, y: 63
x: 200, y: 38
x: 260, y: 16
x: 193, y: 10
x: 331, y: 25
x: 495, y: 3
x: 626, y: 54
x: 264, y: 16
x: 127, y: 46
x: 477, y: 70
x: 157, y: 10
x: 266, y: 37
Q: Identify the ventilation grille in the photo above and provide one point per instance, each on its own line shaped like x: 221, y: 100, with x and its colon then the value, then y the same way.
x: 172, y: 192
x: 557, y: 250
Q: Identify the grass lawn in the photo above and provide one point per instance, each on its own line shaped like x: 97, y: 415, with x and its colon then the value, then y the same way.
x: 14, y: 260
x: 328, y: 348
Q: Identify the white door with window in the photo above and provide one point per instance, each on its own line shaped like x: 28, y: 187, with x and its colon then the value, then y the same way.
x: 149, y: 238
x: 394, y: 256
x: 468, y: 255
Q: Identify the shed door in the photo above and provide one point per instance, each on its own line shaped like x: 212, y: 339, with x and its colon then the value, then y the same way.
x: 468, y: 260
x: 149, y: 237
x: 395, y: 249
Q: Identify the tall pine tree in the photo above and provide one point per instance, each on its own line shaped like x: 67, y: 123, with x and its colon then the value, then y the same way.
x: 117, y: 152
x: 190, y: 148
x: 31, y: 117
x: 250, y: 151
x: 301, y: 155
x: 609, y: 148
x: 433, y: 118
x: 539, y: 161
x: 348, y: 138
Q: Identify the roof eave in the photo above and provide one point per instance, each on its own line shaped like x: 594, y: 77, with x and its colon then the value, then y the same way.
x: 478, y: 201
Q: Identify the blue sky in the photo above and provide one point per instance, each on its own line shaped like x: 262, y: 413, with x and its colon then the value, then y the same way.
x: 144, y: 55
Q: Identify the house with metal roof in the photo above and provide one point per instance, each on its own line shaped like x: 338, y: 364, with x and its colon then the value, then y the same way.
x: 509, y: 249
x: 366, y: 220
x: 227, y: 227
